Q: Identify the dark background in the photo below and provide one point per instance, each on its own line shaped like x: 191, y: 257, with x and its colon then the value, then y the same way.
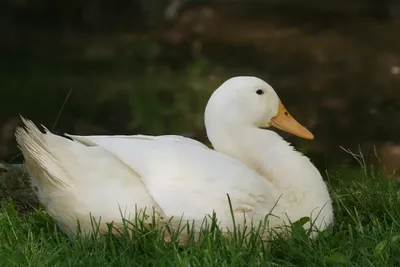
x: 141, y: 66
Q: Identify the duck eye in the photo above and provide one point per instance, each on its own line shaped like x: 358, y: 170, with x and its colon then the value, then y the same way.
x: 259, y: 92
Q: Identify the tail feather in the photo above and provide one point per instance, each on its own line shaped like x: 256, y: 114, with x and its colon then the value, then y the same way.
x: 38, y: 157
x: 75, y: 180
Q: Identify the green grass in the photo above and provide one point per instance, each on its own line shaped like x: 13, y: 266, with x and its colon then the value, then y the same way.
x: 366, y: 233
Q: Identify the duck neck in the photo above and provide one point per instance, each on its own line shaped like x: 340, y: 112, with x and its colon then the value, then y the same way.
x: 268, y: 154
x: 297, y: 183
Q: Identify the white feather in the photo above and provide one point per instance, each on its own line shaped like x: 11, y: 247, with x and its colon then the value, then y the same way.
x: 178, y: 176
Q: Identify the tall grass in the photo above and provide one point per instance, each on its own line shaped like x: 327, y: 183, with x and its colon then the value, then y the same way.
x: 366, y: 232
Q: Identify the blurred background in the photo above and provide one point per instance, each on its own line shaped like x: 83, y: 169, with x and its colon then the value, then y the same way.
x: 141, y: 66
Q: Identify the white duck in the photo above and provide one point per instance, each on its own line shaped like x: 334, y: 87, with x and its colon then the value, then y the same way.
x: 180, y: 177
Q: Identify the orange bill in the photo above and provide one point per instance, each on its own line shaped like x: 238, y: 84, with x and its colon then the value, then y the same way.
x: 284, y: 121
